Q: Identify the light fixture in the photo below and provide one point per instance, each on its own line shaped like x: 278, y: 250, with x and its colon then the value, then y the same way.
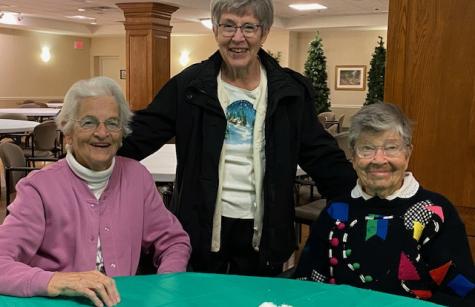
x: 45, y: 54
x: 184, y: 57
x: 207, y: 23
x: 10, y: 18
x: 307, y: 6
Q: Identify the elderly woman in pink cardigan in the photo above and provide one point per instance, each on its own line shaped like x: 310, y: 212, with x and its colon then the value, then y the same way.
x: 84, y: 219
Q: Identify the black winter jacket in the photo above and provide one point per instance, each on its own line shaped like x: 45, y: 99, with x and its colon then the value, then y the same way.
x: 188, y: 109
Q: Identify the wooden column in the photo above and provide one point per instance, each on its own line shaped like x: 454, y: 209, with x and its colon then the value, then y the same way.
x: 430, y: 73
x: 148, y: 29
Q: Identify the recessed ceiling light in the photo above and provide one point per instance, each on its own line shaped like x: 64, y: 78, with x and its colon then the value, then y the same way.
x: 81, y: 10
x: 307, y: 7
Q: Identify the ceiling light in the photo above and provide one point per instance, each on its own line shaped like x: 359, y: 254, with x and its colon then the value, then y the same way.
x: 307, y: 7
x: 10, y: 18
x: 81, y: 10
x: 207, y: 23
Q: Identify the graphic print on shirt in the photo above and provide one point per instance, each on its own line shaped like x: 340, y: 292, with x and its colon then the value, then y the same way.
x: 241, y: 116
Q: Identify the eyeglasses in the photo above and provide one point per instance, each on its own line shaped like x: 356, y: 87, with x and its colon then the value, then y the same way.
x: 92, y: 123
x: 247, y: 29
x: 389, y: 150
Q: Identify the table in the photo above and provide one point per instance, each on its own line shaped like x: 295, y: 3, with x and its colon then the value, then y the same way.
x: 42, y: 112
x: 213, y: 290
x: 16, y: 126
x: 162, y: 163
x: 55, y: 105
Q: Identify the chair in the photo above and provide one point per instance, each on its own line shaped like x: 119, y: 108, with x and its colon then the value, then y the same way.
x: 342, y: 140
x: 15, y: 166
x: 44, y: 143
x: 307, y: 214
x: 340, y: 123
x: 32, y: 104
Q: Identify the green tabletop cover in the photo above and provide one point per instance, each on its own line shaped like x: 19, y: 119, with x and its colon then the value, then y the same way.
x: 213, y: 290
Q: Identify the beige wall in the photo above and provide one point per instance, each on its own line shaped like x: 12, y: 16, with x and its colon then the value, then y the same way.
x: 341, y: 47
x: 109, y: 47
x: 23, y: 74
x: 200, y: 47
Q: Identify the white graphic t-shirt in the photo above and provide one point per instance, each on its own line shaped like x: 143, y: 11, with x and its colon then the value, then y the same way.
x: 238, y: 194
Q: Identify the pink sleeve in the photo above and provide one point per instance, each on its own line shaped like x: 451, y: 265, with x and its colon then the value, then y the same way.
x: 21, y: 235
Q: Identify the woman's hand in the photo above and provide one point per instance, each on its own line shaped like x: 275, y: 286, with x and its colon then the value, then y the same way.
x: 94, y: 285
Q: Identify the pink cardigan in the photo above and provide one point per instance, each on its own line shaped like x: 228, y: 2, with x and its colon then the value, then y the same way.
x: 55, y: 221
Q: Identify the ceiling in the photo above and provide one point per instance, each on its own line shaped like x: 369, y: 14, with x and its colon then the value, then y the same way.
x: 50, y: 15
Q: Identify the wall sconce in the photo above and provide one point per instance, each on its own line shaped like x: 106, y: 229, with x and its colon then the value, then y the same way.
x: 184, y: 57
x: 45, y: 54
x: 207, y: 23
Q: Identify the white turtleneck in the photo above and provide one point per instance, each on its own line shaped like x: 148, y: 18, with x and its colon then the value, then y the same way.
x: 97, y: 182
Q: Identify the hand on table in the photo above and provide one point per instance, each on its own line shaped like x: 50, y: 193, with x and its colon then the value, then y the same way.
x: 97, y: 287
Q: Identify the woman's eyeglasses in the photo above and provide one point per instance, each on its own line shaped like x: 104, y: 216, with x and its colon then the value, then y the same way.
x: 247, y: 29
x: 389, y: 150
x: 92, y: 123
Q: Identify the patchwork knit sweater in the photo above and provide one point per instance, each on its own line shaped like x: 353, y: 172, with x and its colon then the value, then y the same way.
x: 414, y: 246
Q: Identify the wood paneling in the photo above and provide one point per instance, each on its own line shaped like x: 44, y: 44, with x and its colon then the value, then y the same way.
x: 430, y: 73
x: 148, y: 30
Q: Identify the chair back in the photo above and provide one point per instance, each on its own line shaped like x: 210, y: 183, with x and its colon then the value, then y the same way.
x: 32, y: 104
x: 342, y: 140
x: 12, y: 157
x: 44, y: 136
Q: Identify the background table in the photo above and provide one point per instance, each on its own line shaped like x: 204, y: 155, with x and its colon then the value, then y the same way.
x: 41, y: 112
x: 213, y: 290
x: 162, y: 163
x: 16, y: 126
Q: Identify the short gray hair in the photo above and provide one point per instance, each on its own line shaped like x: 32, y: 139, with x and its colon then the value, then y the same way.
x: 262, y: 9
x: 380, y: 117
x: 94, y: 87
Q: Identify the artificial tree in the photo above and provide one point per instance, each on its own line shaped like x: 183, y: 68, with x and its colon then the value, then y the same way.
x: 316, y: 71
x: 376, y: 74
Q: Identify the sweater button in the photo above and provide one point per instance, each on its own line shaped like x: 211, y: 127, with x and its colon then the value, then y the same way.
x: 113, y: 266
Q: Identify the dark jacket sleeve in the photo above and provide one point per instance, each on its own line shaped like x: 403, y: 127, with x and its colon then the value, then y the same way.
x: 450, y: 247
x: 153, y: 126
x: 320, y: 156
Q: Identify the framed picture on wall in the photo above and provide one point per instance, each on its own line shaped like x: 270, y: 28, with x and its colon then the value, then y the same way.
x: 350, y: 77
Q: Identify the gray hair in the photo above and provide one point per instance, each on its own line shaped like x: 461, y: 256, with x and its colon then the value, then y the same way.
x: 94, y: 87
x: 262, y: 9
x: 380, y: 117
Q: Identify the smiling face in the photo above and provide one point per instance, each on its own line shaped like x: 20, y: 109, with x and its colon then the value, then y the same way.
x: 95, y: 148
x: 239, y: 53
x: 381, y: 175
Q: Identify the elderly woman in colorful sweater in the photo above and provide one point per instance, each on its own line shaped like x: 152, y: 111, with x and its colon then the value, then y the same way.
x: 84, y: 219
x: 390, y: 234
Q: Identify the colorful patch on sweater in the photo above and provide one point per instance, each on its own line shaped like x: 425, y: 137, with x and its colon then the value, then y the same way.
x: 407, y: 270
x: 376, y: 225
x: 438, y: 274
x: 338, y: 211
x: 417, y: 213
x: 461, y: 285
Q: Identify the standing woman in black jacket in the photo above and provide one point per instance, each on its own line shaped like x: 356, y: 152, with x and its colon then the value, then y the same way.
x: 241, y: 124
